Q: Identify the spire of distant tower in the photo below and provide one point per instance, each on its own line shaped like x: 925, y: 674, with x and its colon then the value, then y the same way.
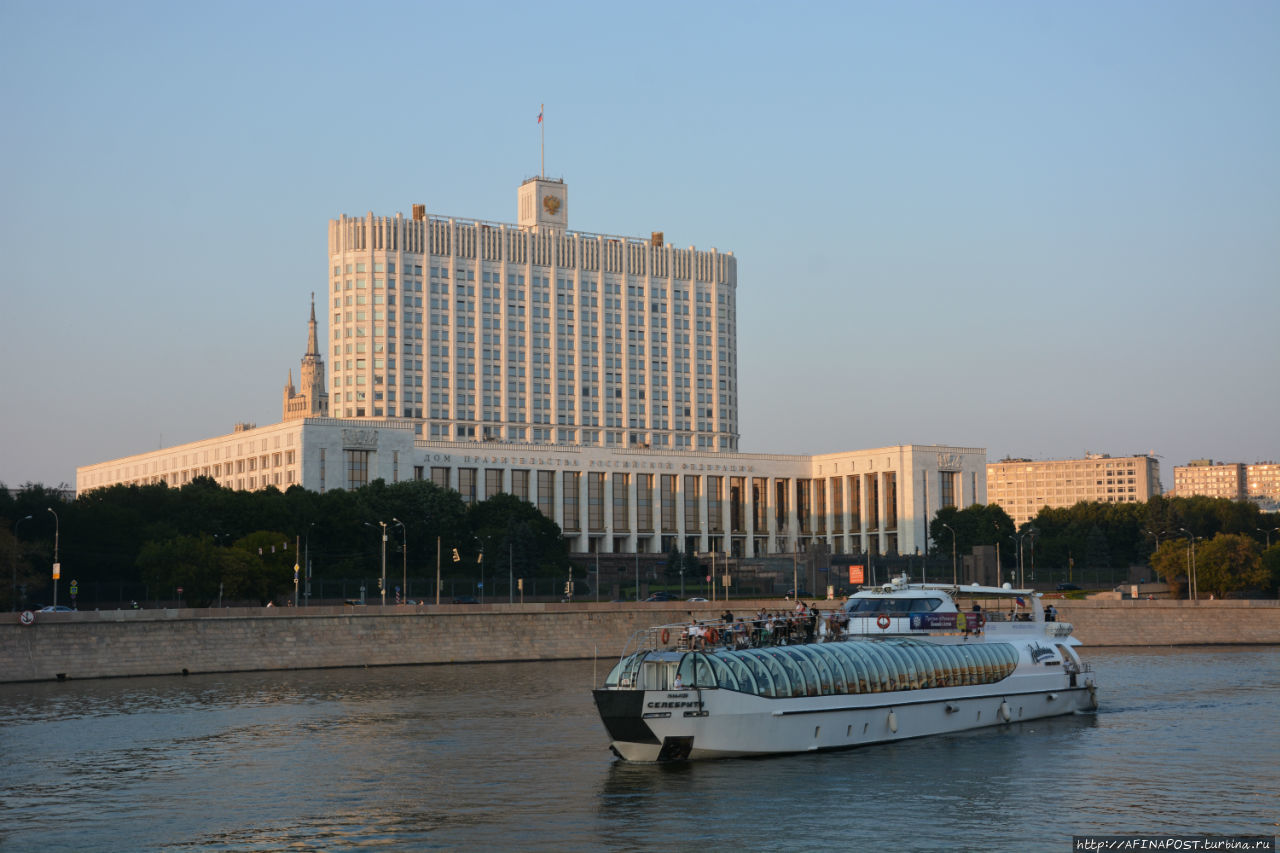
x: 313, y: 348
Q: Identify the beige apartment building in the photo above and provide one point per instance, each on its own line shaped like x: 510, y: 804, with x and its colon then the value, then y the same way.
x: 1234, y: 481
x: 1023, y: 486
x: 1263, y: 484
x: 1210, y: 479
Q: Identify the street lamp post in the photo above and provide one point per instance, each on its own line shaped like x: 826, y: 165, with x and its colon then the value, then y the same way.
x: 404, y: 548
x: 481, y: 562
x: 1017, y: 563
x: 57, y: 567
x: 306, y: 565
x: 955, y: 578
x: 14, y: 558
x: 382, y: 585
x: 1265, y: 530
x: 1032, y: 534
x: 1191, y: 561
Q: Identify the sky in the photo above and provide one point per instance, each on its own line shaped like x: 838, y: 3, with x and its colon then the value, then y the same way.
x: 1042, y: 229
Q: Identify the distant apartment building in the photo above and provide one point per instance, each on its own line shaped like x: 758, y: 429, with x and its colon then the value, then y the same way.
x: 1023, y: 486
x: 1210, y: 479
x: 1263, y: 484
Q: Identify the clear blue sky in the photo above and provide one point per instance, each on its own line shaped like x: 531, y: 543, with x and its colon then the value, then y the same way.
x: 1038, y: 228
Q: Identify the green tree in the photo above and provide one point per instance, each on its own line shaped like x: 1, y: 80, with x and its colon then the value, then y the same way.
x: 1171, y: 563
x: 1229, y: 562
x: 190, y: 563
x: 1270, y: 562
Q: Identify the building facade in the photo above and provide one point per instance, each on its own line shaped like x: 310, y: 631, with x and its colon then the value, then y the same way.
x: 1263, y: 484
x: 610, y: 500
x: 1022, y: 487
x: 1209, y: 479
x: 532, y: 333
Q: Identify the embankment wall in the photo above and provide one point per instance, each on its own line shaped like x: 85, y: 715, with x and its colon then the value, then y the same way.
x: 155, y: 642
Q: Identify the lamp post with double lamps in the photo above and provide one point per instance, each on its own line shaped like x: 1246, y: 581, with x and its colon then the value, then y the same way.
x: 382, y: 586
x: 1191, y: 561
x: 955, y: 578
x: 306, y: 565
x: 404, y: 548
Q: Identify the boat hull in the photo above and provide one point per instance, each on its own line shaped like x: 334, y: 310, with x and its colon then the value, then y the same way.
x: 711, y: 723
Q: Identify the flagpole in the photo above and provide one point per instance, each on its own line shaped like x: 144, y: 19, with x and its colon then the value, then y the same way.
x: 542, y: 150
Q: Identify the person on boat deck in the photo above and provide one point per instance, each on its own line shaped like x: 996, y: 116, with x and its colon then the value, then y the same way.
x: 977, y: 612
x: 678, y: 684
x: 1051, y: 615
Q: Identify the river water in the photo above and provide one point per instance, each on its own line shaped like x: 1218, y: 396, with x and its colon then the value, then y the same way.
x: 513, y: 757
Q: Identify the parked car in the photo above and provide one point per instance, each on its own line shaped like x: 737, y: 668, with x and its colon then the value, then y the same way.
x: 1066, y: 587
x: 661, y: 596
x: 465, y: 599
x: 60, y: 608
x: 791, y: 593
x: 696, y: 598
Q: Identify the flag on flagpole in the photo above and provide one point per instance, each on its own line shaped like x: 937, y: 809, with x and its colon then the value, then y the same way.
x: 540, y: 108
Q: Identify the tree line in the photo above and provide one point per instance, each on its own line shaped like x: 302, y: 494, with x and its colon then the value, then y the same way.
x: 209, y: 540
x: 1237, y: 546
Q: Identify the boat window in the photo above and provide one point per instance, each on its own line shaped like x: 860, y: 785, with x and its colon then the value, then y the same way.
x: 830, y: 673
x: 924, y: 605
x: 772, y: 670
x: 863, y: 606
x: 855, y: 671
x: 746, y: 680
x: 764, y: 679
x: 812, y: 678
x: 625, y: 673
x: 723, y: 674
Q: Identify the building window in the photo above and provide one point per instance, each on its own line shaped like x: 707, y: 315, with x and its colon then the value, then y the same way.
x: 570, y: 501
x: 467, y: 485
x: 357, y: 468
x: 621, y: 490
x: 547, y: 493
x: 644, y: 503
x: 492, y: 482
x: 668, y: 503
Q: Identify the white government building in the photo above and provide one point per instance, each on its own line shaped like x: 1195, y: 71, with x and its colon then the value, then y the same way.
x: 594, y: 376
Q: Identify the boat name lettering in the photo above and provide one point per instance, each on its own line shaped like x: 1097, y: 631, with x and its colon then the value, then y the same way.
x: 1039, y: 653
x: 687, y: 703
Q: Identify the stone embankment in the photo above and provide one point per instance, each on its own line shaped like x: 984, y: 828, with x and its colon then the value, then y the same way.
x: 114, y: 643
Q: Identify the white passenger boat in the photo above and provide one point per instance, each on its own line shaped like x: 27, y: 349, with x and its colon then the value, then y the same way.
x: 892, y: 662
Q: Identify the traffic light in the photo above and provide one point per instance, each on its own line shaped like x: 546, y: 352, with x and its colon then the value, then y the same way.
x: 568, y: 588
x: 456, y: 558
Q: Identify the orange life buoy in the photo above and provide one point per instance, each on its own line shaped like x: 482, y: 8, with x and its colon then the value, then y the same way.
x: 883, y: 621
x: 982, y: 620
x: 714, y: 636
x: 665, y: 636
